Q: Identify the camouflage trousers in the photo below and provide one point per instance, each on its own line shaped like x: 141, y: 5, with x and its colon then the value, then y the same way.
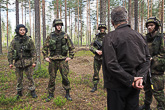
x: 96, y: 65
x: 63, y: 67
x: 157, y: 91
x: 19, y: 75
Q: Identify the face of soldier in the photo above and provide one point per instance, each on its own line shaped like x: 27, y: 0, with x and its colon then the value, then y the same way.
x: 22, y: 31
x: 151, y: 27
x: 102, y: 30
x: 58, y: 27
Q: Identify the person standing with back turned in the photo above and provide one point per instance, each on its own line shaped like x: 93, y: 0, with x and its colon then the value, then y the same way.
x: 125, y: 63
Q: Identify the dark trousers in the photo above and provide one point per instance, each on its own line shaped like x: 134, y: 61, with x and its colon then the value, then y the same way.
x: 126, y: 99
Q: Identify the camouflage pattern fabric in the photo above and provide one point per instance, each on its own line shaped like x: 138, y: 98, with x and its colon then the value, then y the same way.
x: 99, y: 37
x: 22, y: 50
x: 23, y: 53
x: 29, y: 73
x: 157, y: 92
x: 156, y: 48
x: 96, y: 65
x: 98, y: 58
x: 57, y: 46
x: 63, y: 67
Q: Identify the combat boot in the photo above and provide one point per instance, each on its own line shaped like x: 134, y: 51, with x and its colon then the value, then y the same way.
x: 33, y: 93
x: 51, y: 95
x: 19, y: 94
x: 145, y: 107
x: 94, y: 88
x: 68, y: 96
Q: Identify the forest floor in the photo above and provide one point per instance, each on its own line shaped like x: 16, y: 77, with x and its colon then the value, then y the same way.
x: 80, y: 76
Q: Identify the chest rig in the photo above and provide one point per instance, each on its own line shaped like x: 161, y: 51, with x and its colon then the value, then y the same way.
x: 154, y: 45
x: 58, y: 44
x: 22, y: 48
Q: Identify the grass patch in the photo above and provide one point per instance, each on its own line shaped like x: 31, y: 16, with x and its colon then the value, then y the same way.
x: 59, y: 101
x: 83, y: 53
x: 42, y: 72
x: 7, y: 101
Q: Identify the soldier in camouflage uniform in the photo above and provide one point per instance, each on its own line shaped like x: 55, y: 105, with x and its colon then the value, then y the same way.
x: 97, y: 50
x: 58, y: 44
x: 22, y: 51
x: 156, y: 48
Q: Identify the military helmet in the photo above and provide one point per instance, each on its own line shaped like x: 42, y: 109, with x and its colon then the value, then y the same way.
x: 154, y: 20
x: 57, y: 21
x: 102, y: 26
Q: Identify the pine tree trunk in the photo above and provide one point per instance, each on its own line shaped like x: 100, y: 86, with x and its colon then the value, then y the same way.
x: 30, y: 17
x: 160, y: 9
x: 65, y: 16
x: 162, y: 17
x: 7, y: 24
x: 0, y: 32
x: 136, y: 14
x: 25, y: 12
x: 129, y: 13
x: 37, y: 33
x: 148, y: 12
x: 151, y: 8
x: 142, y: 11
x: 81, y: 29
x: 108, y: 15
x: 33, y: 26
x: 17, y: 12
x: 89, y: 24
x: 97, y: 6
x: 60, y: 11
x: 103, y: 11
x: 43, y: 21
x: 87, y: 27
x: 78, y: 22
x: 71, y: 26
x: 22, y: 10
x: 57, y: 9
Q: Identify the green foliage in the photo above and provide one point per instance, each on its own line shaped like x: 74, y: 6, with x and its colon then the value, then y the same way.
x: 28, y: 107
x: 84, y: 53
x: 44, y: 96
x: 7, y: 101
x: 3, y: 78
x: 60, y: 101
x: 4, y: 86
x: 42, y: 72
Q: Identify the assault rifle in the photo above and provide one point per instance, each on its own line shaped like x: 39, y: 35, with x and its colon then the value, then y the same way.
x: 98, y: 44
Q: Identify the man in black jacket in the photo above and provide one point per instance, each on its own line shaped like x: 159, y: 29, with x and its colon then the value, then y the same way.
x: 125, y: 63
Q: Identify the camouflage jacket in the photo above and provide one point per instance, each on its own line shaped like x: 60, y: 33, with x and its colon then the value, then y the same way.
x: 57, y: 46
x: 22, y: 50
x: 99, y: 37
x: 157, y: 52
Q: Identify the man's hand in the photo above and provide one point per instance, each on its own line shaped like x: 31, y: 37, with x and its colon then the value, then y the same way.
x: 67, y: 59
x: 138, y: 83
x: 99, y: 52
x: 33, y: 65
x: 11, y: 66
x: 47, y: 59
